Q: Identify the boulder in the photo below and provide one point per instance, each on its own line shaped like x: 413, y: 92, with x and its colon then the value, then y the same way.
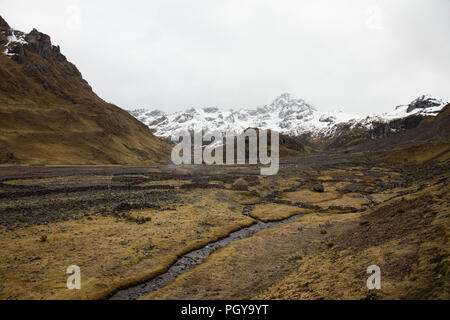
x: 354, y: 187
x: 240, y: 184
x: 318, y: 188
x: 423, y: 102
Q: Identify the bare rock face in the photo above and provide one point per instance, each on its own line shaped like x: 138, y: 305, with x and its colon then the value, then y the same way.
x: 18, y: 52
x: 423, y: 102
x: 20, y: 44
x: 240, y: 184
x: 3, y: 24
x: 43, y: 62
x: 383, y: 130
x: 41, y: 43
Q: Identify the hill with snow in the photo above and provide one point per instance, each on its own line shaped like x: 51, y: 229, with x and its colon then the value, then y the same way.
x: 286, y: 114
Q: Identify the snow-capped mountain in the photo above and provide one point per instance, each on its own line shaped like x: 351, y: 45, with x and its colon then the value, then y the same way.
x: 287, y: 115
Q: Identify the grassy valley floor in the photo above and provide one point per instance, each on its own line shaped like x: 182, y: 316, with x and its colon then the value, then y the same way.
x: 123, y: 225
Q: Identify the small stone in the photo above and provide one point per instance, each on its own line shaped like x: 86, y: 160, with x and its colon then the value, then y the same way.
x: 318, y: 188
x: 355, y: 187
x: 240, y: 184
x: 369, y: 190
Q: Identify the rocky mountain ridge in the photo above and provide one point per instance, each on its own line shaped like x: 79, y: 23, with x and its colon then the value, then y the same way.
x: 49, y: 114
x: 291, y: 116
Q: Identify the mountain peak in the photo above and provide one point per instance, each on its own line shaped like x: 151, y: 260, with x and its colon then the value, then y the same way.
x: 3, y: 24
x: 286, y: 114
x: 287, y: 103
x: 424, y: 102
x: 17, y: 42
x: 282, y: 100
x: 284, y: 96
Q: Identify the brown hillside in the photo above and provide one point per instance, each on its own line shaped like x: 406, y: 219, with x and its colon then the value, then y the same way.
x: 289, y: 146
x: 429, y: 141
x: 50, y: 115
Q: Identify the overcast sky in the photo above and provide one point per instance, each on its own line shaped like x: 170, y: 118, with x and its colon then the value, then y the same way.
x: 358, y: 56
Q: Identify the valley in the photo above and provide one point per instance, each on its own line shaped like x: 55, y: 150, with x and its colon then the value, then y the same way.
x: 88, y: 186
x: 126, y: 225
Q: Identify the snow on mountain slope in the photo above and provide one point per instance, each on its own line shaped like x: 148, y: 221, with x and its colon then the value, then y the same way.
x: 285, y: 114
x: 424, y: 105
x: 16, y: 37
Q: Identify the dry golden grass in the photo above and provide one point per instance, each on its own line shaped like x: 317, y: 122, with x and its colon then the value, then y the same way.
x: 75, y: 135
x: 260, y: 261
x: 324, y: 277
x: 285, y: 263
x: 32, y: 269
x: 338, y: 275
x: 420, y: 153
x: 270, y: 184
x: 390, y: 194
x: 347, y: 200
x: 53, y: 117
x: 274, y: 212
x: 310, y: 197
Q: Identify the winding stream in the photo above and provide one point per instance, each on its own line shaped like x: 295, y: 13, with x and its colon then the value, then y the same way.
x: 192, y: 259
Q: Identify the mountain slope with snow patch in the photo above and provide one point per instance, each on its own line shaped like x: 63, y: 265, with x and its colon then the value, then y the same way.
x: 287, y: 115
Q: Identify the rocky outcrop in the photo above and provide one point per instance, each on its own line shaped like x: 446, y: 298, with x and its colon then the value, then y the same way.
x: 3, y: 24
x: 423, y: 102
x: 41, y: 44
x: 383, y: 130
x: 44, y: 63
x: 20, y: 45
x: 318, y: 188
